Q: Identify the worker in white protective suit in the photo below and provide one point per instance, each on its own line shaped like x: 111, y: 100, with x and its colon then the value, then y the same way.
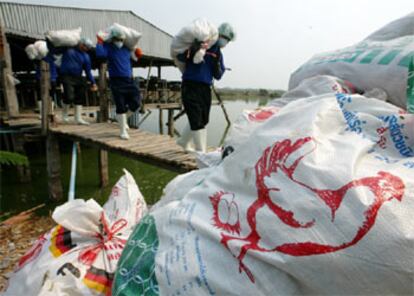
x: 196, y: 86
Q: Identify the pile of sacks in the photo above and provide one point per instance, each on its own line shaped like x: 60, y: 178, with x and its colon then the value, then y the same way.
x: 200, y: 30
x: 79, y: 256
x: 316, y: 198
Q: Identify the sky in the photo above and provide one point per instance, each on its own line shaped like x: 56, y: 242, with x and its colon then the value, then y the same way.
x: 274, y: 37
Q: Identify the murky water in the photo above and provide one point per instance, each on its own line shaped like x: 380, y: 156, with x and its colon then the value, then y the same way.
x: 15, y: 197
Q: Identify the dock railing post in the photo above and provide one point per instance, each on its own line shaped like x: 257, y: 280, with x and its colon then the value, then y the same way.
x: 161, y: 120
x: 45, y: 94
x: 103, y: 117
x: 171, y: 122
x: 103, y: 99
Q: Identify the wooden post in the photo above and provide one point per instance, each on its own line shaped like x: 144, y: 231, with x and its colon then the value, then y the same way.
x: 103, y: 117
x: 160, y: 86
x: 146, y: 97
x: 25, y: 175
x: 161, y: 122
x: 171, y: 122
x: 6, y: 77
x: 159, y: 72
x: 103, y: 100
x: 103, y: 168
x: 45, y: 94
x: 53, y: 168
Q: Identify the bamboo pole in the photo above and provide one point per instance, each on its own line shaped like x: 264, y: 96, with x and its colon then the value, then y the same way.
x: 222, y: 105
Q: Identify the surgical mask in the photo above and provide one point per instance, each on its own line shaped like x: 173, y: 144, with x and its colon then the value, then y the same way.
x: 119, y: 44
x: 222, y: 42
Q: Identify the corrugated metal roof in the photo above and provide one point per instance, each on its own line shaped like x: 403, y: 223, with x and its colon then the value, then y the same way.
x: 33, y: 21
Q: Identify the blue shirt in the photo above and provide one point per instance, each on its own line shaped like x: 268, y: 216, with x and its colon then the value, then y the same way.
x: 119, y: 59
x: 74, y: 61
x: 52, y: 68
x: 204, y: 72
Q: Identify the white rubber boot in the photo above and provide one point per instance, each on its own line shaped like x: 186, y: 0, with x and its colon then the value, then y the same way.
x: 65, y: 112
x: 185, y: 139
x: 122, y: 120
x: 199, y: 140
x: 204, y: 139
x: 128, y: 115
x: 78, y: 115
x: 39, y: 106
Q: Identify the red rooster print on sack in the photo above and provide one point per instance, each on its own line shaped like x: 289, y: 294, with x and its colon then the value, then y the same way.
x: 277, y: 159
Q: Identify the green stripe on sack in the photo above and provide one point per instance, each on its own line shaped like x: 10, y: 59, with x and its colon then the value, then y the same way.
x: 410, y: 87
x: 389, y: 57
x: 405, y: 61
x: 370, y: 56
x: 135, y: 274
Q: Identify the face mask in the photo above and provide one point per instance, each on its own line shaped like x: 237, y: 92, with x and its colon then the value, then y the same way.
x: 222, y: 42
x: 119, y: 44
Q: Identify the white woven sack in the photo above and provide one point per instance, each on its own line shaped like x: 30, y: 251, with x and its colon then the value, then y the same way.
x: 380, y: 61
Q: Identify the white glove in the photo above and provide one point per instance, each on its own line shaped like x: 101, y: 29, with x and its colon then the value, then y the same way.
x: 199, y: 56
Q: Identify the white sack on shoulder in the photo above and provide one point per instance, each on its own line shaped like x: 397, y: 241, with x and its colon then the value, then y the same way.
x: 37, y: 50
x: 63, y: 38
x: 199, y: 30
x: 132, y: 36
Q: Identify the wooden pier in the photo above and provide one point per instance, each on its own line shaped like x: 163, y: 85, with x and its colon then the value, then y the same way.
x: 159, y: 150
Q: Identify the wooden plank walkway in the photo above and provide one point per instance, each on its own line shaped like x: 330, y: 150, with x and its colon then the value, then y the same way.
x: 32, y: 118
x: 159, y: 150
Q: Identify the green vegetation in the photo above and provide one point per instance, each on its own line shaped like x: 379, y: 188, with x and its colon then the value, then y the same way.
x: 241, y: 93
x: 12, y: 158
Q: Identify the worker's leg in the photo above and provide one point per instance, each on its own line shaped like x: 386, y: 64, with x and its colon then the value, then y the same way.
x: 192, y: 95
x: 132, y: 97
x: 80, y: 98
x: 116, y: 85
x: 52, y: 94
x: 68, y: 96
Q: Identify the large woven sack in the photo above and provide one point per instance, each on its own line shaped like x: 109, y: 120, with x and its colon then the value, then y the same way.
x: 319, y: 200
x: 79, y: 256
x: 201, y: 30
x: 63, y: 38
x: 379, y: 61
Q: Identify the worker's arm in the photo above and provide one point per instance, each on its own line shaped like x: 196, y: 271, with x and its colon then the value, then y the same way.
x: 138, y: 53
x: 101, y: 49
x: 88, y: 69
x: 188, y: 55
x: 218, y: 64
